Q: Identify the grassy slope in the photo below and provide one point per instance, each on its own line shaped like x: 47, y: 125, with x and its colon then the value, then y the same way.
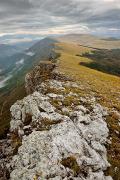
x: 107, y: 61
x: 104, y: 86
x: 91, y: 41
x: 6, y: 101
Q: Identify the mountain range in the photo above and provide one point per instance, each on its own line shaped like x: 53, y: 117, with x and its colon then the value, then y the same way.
x: 17, y: 64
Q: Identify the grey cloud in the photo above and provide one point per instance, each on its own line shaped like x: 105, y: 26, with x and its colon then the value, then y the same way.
x: 38, y: 15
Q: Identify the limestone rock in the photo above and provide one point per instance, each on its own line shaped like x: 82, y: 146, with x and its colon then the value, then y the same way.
x: 55, y: 139
x: 59, y: 141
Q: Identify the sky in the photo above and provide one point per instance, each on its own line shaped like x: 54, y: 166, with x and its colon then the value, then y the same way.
x: 53, y: 17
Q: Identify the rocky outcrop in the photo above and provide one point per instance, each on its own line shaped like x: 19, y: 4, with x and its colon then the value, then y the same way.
x: 38, y: 75
x: 56, y: 133
x: 45, y: 70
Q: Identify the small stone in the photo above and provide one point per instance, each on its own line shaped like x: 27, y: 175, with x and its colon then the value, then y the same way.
x: 81, y: 108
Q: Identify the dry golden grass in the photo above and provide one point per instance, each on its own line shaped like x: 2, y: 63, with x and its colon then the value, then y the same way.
x: 104, y: 86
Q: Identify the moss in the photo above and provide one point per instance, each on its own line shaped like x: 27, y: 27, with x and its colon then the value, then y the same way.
x: 71, y: 163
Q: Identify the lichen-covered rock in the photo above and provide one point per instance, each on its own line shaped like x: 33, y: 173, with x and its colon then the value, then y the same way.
x: 42, y: 153
x: 58, y: 144
x: 56, y: 133
x: 39, y: 74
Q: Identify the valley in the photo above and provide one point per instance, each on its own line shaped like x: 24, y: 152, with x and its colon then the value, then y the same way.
x: 13, y: 76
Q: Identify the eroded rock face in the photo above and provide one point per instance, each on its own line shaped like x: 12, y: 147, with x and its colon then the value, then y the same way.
x: 62, y: 137
x: 40, y: 73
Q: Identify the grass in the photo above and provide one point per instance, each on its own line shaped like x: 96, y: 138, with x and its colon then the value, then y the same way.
x: 104, y: 60
x: 105, y: 87
x: 70, y: 100
x: 71, y: 163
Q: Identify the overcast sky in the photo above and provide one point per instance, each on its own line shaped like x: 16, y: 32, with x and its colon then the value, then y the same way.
x: 43, y: 17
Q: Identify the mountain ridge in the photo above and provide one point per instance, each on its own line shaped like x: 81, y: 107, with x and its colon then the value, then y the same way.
x: 103, y: 86
x: 16, y: 81
x: 91, y: 41
x: 51, y: 130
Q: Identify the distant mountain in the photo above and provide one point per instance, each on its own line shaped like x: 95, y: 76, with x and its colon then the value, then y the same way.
x: 8, y: 50
x: 25, y: 44
x: 91, y: 41
x: 17, y: 65
x: 12, y: 78
x: 112, y: 39
x: 14, y: 38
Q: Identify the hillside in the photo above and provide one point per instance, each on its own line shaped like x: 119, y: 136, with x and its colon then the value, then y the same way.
x: 91, y: 41
x: 18, y: 61
x: 105, y: 87
x: 19, y: 65
x: 8, y: 50
x: 104, y: 60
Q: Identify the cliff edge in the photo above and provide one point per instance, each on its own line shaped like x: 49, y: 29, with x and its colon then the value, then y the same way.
x: 55, y: 133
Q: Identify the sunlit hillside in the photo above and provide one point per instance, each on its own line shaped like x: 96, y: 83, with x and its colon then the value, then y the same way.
x: 105, y: 87
x: 92, y: 41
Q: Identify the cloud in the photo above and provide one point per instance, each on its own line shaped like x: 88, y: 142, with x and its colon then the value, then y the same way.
x: 58, y: 16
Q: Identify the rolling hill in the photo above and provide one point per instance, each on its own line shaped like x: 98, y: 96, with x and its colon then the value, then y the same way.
x: 104, y: 86
x: 104, y: 60
x: 91, y: 41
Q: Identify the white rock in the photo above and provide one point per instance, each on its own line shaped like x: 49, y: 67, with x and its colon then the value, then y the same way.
x: 81, y: 108
x: 56, y: 96
x: 47, y: 107
x: 82, y: 136
x: 65, y: 110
